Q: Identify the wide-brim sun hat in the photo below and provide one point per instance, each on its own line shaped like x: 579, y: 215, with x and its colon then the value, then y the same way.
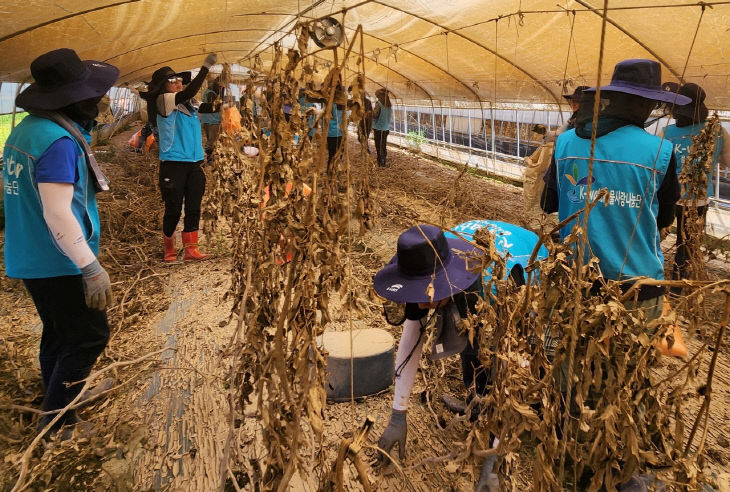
x: 61, y: 78
x: 160, y: 76
x: 577, y: 93
x: 427, y: 267
x: 696, y: 109
x: 643, y: 78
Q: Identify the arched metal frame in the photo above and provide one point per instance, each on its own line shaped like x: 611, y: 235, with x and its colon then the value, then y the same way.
x: 123, y: 76
x: 207, y: 33
x: 198, y: 55
x: 633, y: 38
x: 317, y: 3
x: 65, y: 17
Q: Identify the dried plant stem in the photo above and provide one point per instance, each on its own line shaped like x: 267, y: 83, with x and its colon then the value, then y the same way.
x: 20, y: 483
x: 708, y: 387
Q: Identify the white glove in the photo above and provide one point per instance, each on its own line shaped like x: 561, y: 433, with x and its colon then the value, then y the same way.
x: 210, y: 60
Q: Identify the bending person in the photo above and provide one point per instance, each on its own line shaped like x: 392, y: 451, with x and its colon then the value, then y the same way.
x: 425, y: 258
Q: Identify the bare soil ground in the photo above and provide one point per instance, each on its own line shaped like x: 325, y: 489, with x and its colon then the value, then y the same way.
x: 164, y: 426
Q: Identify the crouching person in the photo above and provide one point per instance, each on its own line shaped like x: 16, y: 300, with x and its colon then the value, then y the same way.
x: 428, y: 275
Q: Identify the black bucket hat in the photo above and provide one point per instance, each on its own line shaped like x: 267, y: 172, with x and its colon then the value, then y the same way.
x: 425, y: 267
x: 642, y: 78
x: 696, y: 110
x: 577, y: 93
x: 61, y: 79
x: 160, y: 77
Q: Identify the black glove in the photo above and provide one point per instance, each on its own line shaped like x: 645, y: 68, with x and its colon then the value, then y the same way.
x: 395, y: 433
x: 97, y: 286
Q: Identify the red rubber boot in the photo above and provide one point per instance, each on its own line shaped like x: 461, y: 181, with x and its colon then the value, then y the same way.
x: 190, y: 243
x: 170, y: 253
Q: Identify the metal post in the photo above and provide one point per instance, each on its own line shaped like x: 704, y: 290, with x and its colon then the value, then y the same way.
x: 405, y: 120
x: 494, y: 146
x: 469, y: 126
x: 517, y: 129
x: 484, y: 125
x: 443, y: 127
x: 418, y: 115
x: 451, y: 127
x: 433, y: 124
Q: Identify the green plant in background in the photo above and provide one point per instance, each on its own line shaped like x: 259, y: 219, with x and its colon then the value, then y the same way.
x: 415, y: 139
x: 6, y: 123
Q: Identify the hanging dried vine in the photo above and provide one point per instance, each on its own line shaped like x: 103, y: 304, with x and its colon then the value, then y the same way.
x: 289, y: 255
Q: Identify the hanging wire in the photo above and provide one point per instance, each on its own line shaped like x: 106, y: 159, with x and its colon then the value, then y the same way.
x: 567, y: 57
x: 494, y: 95
x: 584, y: 238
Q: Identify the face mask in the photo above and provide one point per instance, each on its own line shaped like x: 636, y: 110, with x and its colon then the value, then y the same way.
x: 83, y: 112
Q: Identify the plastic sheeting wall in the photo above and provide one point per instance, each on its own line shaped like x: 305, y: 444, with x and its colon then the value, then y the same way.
x: 448, y: 50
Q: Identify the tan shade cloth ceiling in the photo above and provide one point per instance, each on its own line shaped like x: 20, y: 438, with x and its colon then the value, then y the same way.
x: 528, y: 51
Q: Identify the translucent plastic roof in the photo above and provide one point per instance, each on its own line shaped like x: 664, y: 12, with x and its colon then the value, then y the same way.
x: 444, y: 50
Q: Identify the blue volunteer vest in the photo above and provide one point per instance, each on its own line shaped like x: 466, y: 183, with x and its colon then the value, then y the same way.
x: 30, y: 250
x: 210, y: 118
x: 180, y: 137
x: 382, y: 122
x: 513, y: 242
x: 631, y: 164
x: 681, y: 138
x: 303, y: 107
x: 335, y: 126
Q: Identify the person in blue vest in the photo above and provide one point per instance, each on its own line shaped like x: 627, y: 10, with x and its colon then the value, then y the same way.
x: 638, y: 170
x: 52, y: 221
x: 382, y: 117
x: 182, y: 180
x: 427, y: 275
x: 210, y: 114
x: 334, y: 130
x: 689, y: 121
x: 308, y: 110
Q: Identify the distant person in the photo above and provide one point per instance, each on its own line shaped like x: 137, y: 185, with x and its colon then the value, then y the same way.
x: 210, y: 115
x: 308, y: 111
x: 690, y: 119
x: 382, y: 117
x: 181, y: 153
x: 334, y: 130
x: 365, y: 125
x: 574, y: 100
x: 52, y: 220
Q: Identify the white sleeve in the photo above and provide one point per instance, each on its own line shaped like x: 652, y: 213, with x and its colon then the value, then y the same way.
x: 166, y: 103
x: 411, y: 342
x: 56, y: 200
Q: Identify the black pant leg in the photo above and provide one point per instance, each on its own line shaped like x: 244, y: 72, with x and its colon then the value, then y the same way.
x: 381, y: 140
x: 194, y: 191
x: 51, y: 342
x: 333, y: 145
x: 682, y: 253
x: 79, y: 335
x: 473, y: 373
x: 172, y: 187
